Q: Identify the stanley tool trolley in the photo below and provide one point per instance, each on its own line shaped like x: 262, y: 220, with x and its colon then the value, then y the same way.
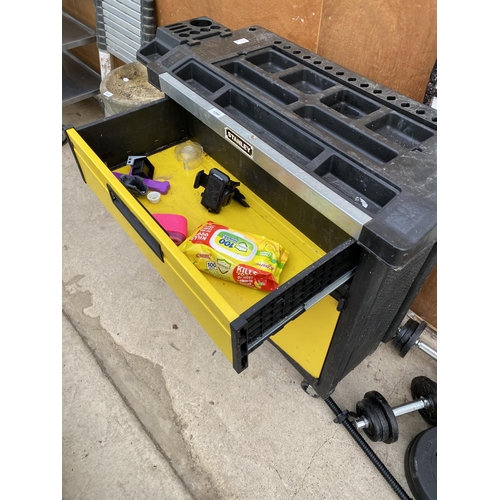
x: 340, y: 170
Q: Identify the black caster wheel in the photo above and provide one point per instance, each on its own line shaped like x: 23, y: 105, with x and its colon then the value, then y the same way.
x: 307, y: 388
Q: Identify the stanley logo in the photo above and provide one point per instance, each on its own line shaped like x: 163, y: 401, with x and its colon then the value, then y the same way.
x: 236, y: 139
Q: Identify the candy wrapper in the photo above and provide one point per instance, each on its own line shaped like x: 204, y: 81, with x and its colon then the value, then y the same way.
x: 237, y: 256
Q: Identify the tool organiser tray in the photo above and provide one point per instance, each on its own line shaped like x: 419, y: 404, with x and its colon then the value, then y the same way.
x: 358, y: 152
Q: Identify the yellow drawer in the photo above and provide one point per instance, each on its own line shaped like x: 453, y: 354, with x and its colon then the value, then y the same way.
x: 299, y: 317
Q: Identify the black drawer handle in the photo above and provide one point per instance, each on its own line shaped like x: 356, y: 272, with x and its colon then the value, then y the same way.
x: 136, y: 224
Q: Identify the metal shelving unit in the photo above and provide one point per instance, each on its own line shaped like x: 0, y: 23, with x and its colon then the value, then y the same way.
x: 79, y: 81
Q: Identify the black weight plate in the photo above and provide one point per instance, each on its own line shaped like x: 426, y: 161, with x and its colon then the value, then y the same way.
x: 412, y: 339
x: 390, y: 418
x: 424, y: 387
x: 378, y: 428
x: 404, y: 333
x: 421, y: 465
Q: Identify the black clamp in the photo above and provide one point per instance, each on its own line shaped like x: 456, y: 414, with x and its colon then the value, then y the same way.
x: 219, y: 190
x: 343, y: 416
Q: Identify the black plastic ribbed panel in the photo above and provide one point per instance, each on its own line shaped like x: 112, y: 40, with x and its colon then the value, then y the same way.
x: 259, y: 322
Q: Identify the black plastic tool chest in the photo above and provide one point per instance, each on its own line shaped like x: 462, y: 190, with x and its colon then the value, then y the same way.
x: 347, y: 166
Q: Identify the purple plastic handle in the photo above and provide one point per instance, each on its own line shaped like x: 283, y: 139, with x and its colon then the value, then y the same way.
x: 160, y: 186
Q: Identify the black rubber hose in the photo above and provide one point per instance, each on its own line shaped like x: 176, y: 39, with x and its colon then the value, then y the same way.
x: 369, y: 452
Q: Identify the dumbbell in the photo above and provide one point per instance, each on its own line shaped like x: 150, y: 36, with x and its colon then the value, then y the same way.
x: 378, y: 420
x: 408, y: 335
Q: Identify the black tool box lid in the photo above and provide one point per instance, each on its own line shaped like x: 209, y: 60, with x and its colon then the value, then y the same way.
x: 360, y: 153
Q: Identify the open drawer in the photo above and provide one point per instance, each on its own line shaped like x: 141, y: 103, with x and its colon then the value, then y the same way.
x: 338, y: 169
x: 301, y: 315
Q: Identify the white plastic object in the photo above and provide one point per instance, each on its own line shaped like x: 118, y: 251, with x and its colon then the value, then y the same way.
x: 154, y: 197
x: 190, y: 153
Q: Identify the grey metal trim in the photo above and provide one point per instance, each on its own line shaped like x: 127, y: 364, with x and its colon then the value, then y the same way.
x: 120, y: 30
x: 120, y: 10
x: 124, y: 26
x: 119, y: 33
x: 120, y: 18
x: 335, y: 208
x: 135, y: 6
x: 329, y: 289
x: 119, y: 51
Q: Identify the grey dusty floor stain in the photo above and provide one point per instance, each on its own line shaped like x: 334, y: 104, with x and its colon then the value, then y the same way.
x: 138, y: 380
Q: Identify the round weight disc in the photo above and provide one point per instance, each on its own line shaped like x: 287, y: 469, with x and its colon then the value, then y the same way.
x: 412, y: 339
x: 370, y: 408
x: 404, y: 333
x: 421, y: 465
x: 389, y: 416
x: 424, y: 387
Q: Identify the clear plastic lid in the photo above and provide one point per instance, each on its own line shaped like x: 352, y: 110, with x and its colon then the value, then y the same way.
x: 190, y: 153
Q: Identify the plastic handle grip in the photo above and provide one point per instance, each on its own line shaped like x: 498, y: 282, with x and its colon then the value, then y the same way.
x: 160, y: 186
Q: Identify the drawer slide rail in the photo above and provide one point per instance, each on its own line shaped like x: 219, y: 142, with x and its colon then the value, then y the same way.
x: 293, y: 298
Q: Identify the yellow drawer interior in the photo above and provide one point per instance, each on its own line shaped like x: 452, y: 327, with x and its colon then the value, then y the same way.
x: 214, y: 302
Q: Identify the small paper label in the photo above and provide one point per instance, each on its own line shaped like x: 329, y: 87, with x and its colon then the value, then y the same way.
x: 107, y: 93
x: 216, y: 112
x: 241, y: 41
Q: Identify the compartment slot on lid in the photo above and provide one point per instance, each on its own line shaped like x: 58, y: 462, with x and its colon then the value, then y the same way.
x: 307, y: 81
x: 335, y: 127
x: 199, y: 79
x: 286, y: 138
x: 400, y: 130
x: 356, y: 183
x: 271, y: 61
x: 350, y: 104
x: 257, y: 81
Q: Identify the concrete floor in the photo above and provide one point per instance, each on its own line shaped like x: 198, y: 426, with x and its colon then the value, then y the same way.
x: 152, y: 409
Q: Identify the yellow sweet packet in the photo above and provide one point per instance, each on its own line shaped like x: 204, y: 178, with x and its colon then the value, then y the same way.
x: 237, y: 256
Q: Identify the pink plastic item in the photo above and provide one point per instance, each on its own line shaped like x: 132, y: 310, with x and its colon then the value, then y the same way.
x: 175, y: 225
